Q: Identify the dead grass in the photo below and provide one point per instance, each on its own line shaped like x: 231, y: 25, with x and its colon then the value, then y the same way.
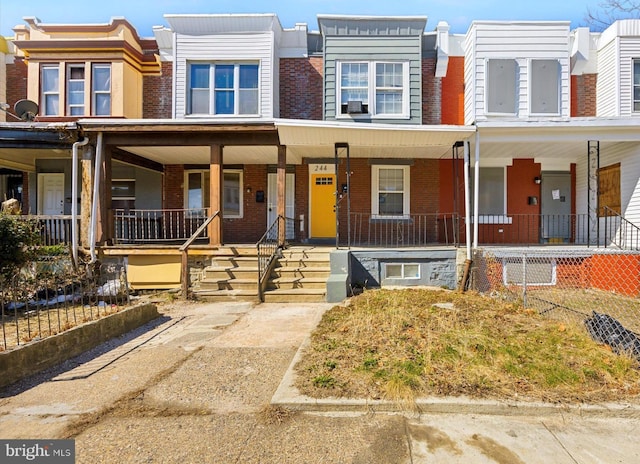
x: 405, y: 344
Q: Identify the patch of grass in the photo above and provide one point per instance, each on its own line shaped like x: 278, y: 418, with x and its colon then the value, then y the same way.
x: 402, y: 344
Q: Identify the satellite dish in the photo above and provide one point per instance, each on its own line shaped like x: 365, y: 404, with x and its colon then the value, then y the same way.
x: 26, y: 110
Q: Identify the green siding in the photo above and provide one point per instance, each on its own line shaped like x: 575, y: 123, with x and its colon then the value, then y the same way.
x: 378, y: 49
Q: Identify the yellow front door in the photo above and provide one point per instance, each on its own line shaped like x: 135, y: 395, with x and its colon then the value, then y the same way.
x: 323, y: 201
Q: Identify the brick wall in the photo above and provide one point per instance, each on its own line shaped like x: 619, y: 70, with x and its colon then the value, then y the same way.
x: 431, y: 92
x: 302, y: 200
x: 301, y: 88
x: 453, y: 92
x: 16, y: 83
x: 253, y: 223
x: 157, y: 94
x: 583, y: 95
x: 173, y: 186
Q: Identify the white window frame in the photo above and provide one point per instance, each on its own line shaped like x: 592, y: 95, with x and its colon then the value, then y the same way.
x: 529, y: 277
x: 558, y: 88
x: 212, y: 89
x: 69, y: 80
x: 487, y: 87
x: 95, y: 92
x: 371, y: 88
x: 124, y: 197
x: 375, y: 182
x: 635, y: 86
x: 497, y: 218
x: 205, y: 200
x: 46, y: 111
x: 403, y: 274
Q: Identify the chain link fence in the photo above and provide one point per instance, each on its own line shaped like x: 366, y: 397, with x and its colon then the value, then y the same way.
x: 596, y: 288
x: 46, y: 298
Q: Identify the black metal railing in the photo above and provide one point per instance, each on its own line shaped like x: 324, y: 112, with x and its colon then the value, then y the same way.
x: 184, y: 251
x: 406, y: 231
x: 620, y: 232
x: 268, y: 247
x: 157, y: 225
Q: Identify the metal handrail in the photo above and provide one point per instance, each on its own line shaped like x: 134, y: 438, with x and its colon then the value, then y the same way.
x: 268, y: 247
x: 184, y: 250
x: 626, y: 235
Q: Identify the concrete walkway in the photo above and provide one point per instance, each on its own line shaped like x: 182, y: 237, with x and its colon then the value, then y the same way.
x: 196, y: 386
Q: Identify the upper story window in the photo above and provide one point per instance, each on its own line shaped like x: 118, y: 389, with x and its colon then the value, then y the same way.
x: 545, y: 87
x: 501, y: 86
x: 80, y: 91
x: 223, y: 88
x: 50, y: 100
x: 390, y: 191
x: 373, y: 88
x: 636, y: 85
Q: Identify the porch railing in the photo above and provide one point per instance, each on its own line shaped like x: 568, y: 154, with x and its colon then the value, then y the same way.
x: 268, y: 247
x: 406, y: 231
x: 533, y: 229
x: 157, y: 225
x: 54, y: 230
x: 620, y: 232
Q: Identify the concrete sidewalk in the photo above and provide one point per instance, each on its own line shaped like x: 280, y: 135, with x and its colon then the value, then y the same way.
x: 196, y: 387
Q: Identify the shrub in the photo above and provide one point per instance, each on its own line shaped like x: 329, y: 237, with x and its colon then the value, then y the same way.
x: 18, y: 240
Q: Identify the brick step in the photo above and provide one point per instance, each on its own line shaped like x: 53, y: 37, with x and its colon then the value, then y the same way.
x: 298, y: 272
x: 229, y: 284
x: 297, y: 283
x: 300, y: 295
x: 225, y: 295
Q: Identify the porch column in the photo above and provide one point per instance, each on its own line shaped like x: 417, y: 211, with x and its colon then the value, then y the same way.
x: 216, y: 183
x: 104, y: 232
x: 282, y: 180
x: 476, y: 192
x: 86, y: 166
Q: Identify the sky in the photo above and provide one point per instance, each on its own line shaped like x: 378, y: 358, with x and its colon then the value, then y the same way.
x: 144, y: 14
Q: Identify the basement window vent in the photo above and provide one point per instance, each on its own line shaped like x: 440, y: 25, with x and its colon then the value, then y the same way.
x: 536, y: 271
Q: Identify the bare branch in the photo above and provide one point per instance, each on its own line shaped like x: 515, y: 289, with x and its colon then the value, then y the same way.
x: 609, y: 11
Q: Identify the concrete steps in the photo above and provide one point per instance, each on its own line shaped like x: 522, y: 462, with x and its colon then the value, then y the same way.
x: 299, y: 275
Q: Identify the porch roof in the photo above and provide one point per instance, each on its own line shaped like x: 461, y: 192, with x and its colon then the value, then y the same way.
x: 21, y: 143
x: 317, y: 138
x: 559, y: 140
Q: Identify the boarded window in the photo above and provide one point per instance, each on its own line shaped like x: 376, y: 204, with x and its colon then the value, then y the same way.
x: 545, y: 88
x: 501, y: 86
x: 609, y: 189
x: 491, y: 192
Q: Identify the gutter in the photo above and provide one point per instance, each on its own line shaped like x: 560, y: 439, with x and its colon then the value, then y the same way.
x: 94, y: 199
x: 74, y: 197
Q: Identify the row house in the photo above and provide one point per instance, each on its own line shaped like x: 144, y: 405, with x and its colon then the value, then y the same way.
x: 369, y: 134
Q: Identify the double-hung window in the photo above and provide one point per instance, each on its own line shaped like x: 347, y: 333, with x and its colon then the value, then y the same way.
x: 75, y: 89
x: 198, y: 188
x: 50, y: 84
x: 636, y: 85
x: 101, y: 90
x: 390, y: 191
x: 373, y: 88
x: 223, y: 88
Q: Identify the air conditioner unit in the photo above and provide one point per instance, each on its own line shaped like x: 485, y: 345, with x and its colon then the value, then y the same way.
x: 354, y: 106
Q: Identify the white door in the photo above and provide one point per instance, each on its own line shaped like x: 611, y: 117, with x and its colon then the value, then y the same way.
x: 272, y: 201
x: 51, y: 194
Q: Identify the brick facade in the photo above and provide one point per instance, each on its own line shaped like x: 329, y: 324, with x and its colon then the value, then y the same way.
x: 157, y: 94
x: 301, y: 88
x: 16, y: 83
x: 431, y: 93
x: 173, y: 186
x: 453, y: 92
x: 253, y: 223
x: 583, y: 95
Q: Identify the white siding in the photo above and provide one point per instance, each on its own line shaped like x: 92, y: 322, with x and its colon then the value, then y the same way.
x: 629, y: 49
x: 522, y: 42
x: 628, y: 155
x: 227, y: 47
x: 607, y: 91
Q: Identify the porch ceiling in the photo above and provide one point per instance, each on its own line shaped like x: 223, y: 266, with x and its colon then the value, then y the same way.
x: 259, y: 154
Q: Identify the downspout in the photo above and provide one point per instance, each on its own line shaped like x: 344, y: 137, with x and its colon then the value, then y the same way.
x: 476, y: 192
x: 467, y: 202
x: 94, y: 199
x: 74, y: 199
